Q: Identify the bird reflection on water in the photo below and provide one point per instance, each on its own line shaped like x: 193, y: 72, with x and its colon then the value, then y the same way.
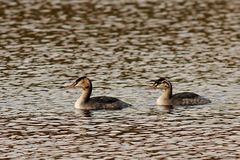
x: 84, y: 113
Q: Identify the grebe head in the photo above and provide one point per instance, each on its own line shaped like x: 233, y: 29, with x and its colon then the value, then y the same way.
x: 82, y: 82
x: 162, y: 83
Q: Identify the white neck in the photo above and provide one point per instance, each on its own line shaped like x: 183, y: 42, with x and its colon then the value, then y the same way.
x: 165, y: 98
x: 84, y: 98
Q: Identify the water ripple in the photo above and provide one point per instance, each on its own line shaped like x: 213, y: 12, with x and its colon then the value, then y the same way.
x: 122, y: 46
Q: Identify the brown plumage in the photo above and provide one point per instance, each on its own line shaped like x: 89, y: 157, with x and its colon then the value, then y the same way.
x: 182, y: 99
x: 86, y: 102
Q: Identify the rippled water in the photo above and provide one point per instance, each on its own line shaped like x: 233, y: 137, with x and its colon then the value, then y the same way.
x: 121, y: 46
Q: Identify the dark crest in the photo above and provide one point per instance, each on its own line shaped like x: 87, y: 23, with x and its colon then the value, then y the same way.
x: 79, y: 79
x: 160, y: 80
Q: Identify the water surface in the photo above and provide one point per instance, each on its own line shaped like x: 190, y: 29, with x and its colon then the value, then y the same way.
x: 122, y: 46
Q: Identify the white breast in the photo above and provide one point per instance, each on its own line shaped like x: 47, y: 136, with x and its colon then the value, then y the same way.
x: 162, y: 100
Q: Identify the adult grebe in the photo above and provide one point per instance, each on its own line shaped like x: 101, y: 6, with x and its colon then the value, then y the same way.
x: 102, y: 102
x: 181, y: 99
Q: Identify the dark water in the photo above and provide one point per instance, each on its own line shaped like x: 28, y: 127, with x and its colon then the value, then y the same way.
x: 122, y: 46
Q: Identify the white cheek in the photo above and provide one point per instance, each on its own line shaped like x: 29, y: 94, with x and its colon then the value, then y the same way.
x: 159, y: 86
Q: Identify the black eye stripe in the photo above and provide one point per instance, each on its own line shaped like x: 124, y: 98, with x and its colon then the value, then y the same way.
x: 166, y: 82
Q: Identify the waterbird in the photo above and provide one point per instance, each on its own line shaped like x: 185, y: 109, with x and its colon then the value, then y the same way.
x: 179, y: 99
x: 85, y: 102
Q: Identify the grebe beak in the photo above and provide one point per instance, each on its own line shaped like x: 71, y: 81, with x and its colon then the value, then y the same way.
x: 73, y: 85
x: 153, y: 84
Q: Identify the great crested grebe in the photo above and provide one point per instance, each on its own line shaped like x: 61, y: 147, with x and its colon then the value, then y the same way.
x: 102, y: 102
x: 179, y: 99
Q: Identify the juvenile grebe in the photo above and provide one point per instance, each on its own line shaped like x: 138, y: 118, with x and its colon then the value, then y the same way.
x: 181, y: 99
x: 86, y: 103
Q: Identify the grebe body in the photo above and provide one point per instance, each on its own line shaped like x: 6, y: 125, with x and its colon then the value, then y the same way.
x: 85, y: 102
x: 179, y: 99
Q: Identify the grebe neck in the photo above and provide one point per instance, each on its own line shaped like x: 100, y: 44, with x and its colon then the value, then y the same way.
x: 164, y: 98
x: 84, y: 97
